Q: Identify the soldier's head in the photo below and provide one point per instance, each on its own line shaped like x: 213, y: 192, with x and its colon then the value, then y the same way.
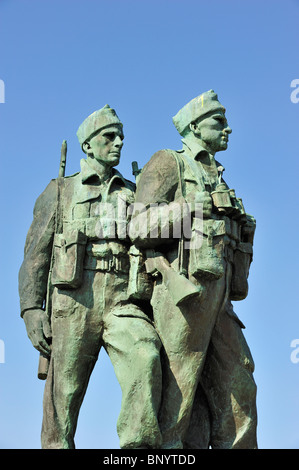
x: 203, y: 118
x: 101, y: 136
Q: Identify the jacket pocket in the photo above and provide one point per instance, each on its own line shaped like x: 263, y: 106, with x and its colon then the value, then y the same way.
x: 140, y: 285
x: 206, y: 258
x: 69, y: 252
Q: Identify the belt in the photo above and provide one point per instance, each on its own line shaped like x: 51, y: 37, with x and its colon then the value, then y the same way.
x: 109, y: 263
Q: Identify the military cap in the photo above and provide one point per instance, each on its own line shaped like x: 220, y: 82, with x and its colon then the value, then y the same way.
x: 104, y: 117
x: 197, y: 108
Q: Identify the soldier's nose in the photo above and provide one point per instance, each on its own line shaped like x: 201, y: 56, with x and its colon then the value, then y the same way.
x: 228, y: 130
x: 118, y: 142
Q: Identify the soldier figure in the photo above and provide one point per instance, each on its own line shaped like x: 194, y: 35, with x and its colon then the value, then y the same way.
x: 84, y: 303
x: 209, y: 394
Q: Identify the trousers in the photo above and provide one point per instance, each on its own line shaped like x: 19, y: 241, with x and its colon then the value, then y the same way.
x: 209, y: 394
x: 224, y: 414
x: 83, y: 320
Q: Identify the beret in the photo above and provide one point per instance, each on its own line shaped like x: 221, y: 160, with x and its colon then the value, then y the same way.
x: 104, y: 117
x: 197, y: 108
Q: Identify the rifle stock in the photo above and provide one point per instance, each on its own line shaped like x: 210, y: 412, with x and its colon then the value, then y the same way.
x: 180, y: 288
x: 43, y: 367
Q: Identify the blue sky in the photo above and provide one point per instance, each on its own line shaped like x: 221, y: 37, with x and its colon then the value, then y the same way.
x: 62, y: 60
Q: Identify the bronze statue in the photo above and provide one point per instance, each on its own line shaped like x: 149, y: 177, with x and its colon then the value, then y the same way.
x: 209, y: 394
x: 149, y: 272
x: 79, y: 237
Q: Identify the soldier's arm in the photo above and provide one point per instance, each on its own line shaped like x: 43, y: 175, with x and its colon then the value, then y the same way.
x: 159, y: 206
x: 33, y: 274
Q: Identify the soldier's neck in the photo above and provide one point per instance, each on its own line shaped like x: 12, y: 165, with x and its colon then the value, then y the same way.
x: 104, y: 171
x: 198, y: 147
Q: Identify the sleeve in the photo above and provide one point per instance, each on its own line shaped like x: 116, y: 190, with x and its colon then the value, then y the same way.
x: 34, y: 271
x: 158, y: 180
x: 159, y: 207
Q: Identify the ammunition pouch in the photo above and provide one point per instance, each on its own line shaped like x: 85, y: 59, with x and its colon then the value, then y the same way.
x: 206, y: 256
x: 68, y: 252
x: 242, y: 257
x: 140, y: 286
x: 107, y: 256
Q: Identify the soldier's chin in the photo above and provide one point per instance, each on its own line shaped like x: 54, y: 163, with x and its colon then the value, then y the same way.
x: 114, y: 158
x: 223, y: 145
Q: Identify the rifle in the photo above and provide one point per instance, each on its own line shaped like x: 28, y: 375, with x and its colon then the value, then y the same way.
x: 179, y: 286
x: 43, y: 364
x: 136, y: 171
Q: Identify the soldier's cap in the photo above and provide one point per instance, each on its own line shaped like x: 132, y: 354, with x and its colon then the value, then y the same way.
x: 104, y: 117
x: 195, y: 109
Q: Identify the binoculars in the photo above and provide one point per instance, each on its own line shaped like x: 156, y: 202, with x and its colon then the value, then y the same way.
x: 226, y: 203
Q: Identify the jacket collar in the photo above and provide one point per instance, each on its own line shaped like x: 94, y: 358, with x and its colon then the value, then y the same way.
x: 194, y: 149
x: 88, y: 176
x: 88, y: 173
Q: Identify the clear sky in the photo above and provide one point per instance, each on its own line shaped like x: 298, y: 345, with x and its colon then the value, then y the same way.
x: 63, y: 59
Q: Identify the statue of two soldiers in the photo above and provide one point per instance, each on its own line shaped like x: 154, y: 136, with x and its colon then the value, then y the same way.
x: 99, y: 270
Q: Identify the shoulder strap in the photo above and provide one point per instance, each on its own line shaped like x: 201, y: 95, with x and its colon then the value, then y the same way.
x: 180, y: 167
x: 183, y: 255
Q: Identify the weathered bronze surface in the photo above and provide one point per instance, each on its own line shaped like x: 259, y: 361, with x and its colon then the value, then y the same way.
x: 209, y: 394
x: 148, y: 272
x: 83, y: 304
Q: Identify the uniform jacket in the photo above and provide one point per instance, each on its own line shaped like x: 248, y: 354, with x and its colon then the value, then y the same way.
x: 170, y: 176
x: 78, y: 209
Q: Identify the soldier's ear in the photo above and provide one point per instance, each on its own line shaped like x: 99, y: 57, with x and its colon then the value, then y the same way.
x: 86, y: 147
x: 194, y: 128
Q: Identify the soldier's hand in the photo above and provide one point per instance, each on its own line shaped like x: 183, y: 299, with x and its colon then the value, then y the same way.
x: 202, y: 197
x: 38, y: 329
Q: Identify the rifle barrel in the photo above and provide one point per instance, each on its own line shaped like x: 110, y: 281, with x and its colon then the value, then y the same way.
x: 62, y: 159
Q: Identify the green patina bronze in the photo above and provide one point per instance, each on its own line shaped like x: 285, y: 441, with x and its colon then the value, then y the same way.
x: 209, y: 394
x: 129, y: 277
x: 87, y: 301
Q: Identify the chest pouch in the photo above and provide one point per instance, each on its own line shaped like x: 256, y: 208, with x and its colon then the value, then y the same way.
x: 140, y: 284
x: 206, y: 255
x: 69, y: 252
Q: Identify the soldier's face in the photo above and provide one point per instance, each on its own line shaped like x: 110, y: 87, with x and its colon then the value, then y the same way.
x: 214, y: 131
x: 106, y: 145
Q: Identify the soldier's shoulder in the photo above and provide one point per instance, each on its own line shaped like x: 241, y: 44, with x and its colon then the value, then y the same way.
x: 47, y: 198
x: 130, y: 185
x: 63, y: 179
x: 69, y: 179
x: 72, y: 176
x: 159, y: 178
x: 166, y: 152
x: 163, y: 160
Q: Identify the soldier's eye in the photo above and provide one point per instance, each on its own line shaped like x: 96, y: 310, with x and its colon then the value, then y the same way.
x: 110, y: 135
